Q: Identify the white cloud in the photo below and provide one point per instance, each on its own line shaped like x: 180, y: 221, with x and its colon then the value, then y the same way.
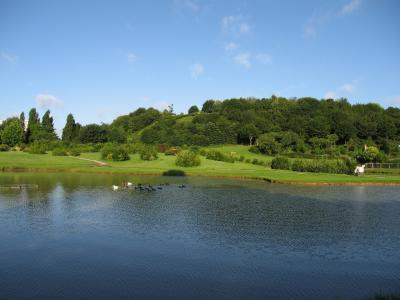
x: 191, y: 5
x: 351, y: 6
x: 131, y: 57
x: 12, y: 59
x: 348, y: 88
x: 235, y: 25
x: 161, y: 105
x: 230, y: 46
x: 48, y: 101
x: 243, y: 59
x: 310, y: 30
x: 244, y: 28
x: 197, y: 70
x: 264, y: 58
x: 330, y: 95
x: 394, y: 101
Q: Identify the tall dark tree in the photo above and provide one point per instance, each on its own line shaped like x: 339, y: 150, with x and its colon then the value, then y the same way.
x: 22, y: 120
x: 71, y: 130
x: 47, y: 128
x: 33, y: 130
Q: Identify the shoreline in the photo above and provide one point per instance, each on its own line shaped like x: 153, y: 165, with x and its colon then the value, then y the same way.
x: 244, y: 177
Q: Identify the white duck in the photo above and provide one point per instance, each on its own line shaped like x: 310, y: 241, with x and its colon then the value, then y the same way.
x: 115, y: 187
x: 129, y: 183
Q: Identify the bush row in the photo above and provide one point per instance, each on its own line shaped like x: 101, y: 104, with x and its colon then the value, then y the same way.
x: 337, y: 166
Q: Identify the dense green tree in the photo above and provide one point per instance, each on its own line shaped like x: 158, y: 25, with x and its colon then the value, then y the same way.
x: 13, y: 133
x: 34, y: 128
x: 93, y: 133
x: 70, y: 132
x: 193, y: 109
x: 47, y: 127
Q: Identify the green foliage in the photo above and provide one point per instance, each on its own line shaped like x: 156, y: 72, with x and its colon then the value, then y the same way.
x: 187, y: 159
x: 93, y: 133
x: 281, y: 163
x: 33, y: 130
x: 371, y: 153
x: 219, y: 156
x: 193, y: 109
x: 13, y: 133
x: 267, y: 144
x: 36, y: 148
x: 174, y: 173
x: 59, y: 152
x: 114, y: 152
x: 323, y: 166
x: 171, y: 151
x: 71, y: 130
x: 148, y: 153
x: 47, y: 132
x: 4, y: 148
x: 74, y: 152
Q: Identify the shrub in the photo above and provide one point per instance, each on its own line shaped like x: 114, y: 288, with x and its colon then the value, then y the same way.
x: 59, y: 152
x: 148, y: 153
x: 195, y: 149
x: 254, y: 149
x: 174, y: 173
x: 216, y: 155
x: 36, y: 148
x: 337, y: 166
x: 187, y: 159
x: 4, y: 147
x: 74, y: 152
x: 115, y: 153
x: 254, y: 161
x: 171, y: 151
x: 203, y: 152
x: 241, y: 158
x: 281, y: 163
x: 248, y: 160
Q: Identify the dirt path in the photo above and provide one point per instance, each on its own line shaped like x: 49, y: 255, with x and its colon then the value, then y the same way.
x: 97, y: 162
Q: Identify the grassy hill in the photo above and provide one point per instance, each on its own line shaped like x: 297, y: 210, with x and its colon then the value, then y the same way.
x: 20, y: 161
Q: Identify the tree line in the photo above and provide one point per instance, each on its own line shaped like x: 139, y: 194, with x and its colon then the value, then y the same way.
x: 270, y: 125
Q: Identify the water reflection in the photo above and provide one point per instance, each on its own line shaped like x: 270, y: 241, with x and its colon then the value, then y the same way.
x: 248, y: 236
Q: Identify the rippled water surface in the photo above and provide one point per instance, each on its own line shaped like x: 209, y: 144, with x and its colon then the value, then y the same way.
x: 74, y: 238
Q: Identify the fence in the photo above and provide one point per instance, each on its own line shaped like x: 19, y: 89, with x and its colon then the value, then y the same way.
x: 382, y: 165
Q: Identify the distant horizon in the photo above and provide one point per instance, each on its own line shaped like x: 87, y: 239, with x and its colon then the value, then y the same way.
x: 100, y: 60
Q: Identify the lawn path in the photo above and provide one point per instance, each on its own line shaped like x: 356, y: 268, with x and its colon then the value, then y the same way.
x: 97, y: 162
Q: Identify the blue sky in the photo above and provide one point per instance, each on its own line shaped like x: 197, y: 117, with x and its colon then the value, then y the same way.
x: 101, y: 59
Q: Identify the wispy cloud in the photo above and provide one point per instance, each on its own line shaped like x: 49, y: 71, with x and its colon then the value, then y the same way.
x: 48, y: 101
x: 330, y: 95
x: 191, y: 5
x: 264, y: 58
x: 243, y: 59
x: 394, y: 101
x: 196, y: 70
x: 161, y: 105
x: 316, y: 21
x: 9, y: 58
x: 234, y: 25
x: 345, y: 89
x: 348, y: 88
x: 131, y: 57
x: 230, y: 46
x: 351, y: 6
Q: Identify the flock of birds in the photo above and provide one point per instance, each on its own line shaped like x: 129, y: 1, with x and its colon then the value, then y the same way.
x: 142, y: 188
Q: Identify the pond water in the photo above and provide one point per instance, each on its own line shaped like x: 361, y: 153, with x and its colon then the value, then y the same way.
x: 74, y: 238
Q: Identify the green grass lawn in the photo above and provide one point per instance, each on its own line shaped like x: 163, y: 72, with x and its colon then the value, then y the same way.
x: 19, y: 160
x: 240, y: 150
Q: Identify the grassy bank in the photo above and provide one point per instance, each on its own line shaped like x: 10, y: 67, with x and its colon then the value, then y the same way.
x: 20, y: 161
